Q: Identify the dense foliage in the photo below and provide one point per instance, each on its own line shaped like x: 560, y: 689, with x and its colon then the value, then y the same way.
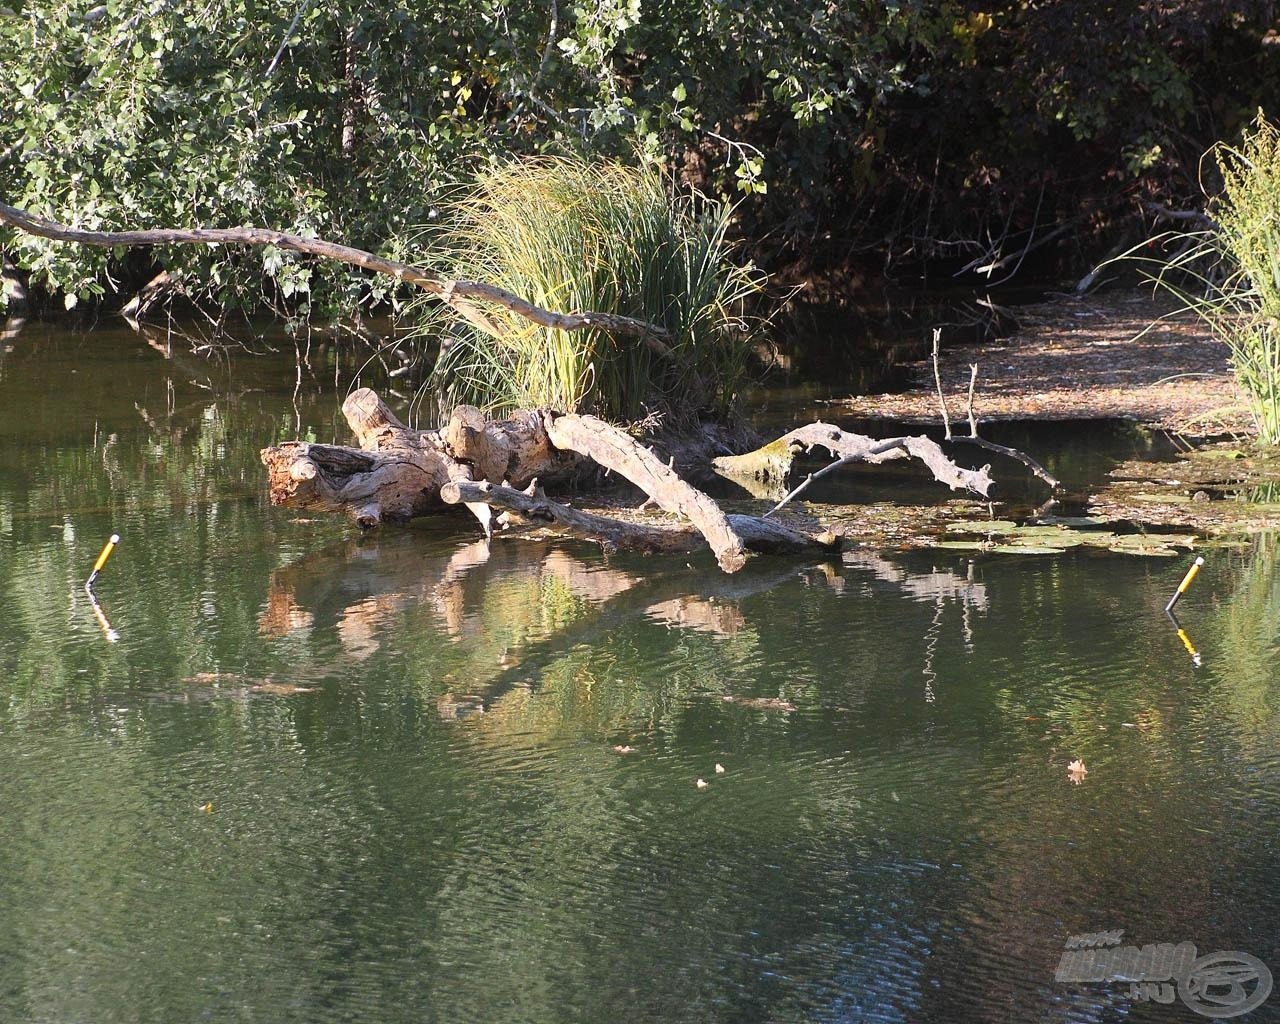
x: 920, y: 128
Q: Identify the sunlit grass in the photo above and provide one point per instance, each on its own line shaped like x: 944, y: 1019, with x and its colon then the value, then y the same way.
x: 1244, y: 308
x: 570, y: 236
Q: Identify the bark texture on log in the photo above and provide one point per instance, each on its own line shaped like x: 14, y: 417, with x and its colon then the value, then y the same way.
x: 617, y: 451
x: 397, y: 473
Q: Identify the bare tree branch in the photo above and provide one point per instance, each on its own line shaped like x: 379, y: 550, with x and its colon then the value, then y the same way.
x: 458, y: 294
x: 973, y: 437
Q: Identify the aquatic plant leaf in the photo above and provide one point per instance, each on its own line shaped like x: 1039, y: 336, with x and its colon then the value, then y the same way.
x: 1026, y: 549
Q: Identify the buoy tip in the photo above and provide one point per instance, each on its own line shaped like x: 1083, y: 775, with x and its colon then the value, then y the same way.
x: 1199, y: 560
x: 115, y: 539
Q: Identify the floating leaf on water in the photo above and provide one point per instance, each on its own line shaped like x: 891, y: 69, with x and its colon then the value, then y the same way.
x: 1025, y: 549
x: 1153, y: 552
x: 962, y: 545
x: 623, y: 748
x: 702, y: 784
x: 1154, y: 540
x: 1076, y: 771
x: 990, y: 526
x: 1074, y: 522
x: 1099, y: 539
x: 719, y: 768
x: 1045, y: 535
x: 207, y: 808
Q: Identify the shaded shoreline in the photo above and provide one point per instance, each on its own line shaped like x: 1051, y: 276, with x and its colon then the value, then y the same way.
x: 1120, y: 355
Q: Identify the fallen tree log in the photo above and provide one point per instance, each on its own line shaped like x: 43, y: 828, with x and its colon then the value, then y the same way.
x: 772, y: 462
x: 762, y: 536
x: 396, y: 474
x: 399, y: 473
x: 617, y: 451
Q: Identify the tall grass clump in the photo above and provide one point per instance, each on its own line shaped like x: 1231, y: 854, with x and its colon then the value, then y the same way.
x: 1244, y: 308
x: 571, y: 235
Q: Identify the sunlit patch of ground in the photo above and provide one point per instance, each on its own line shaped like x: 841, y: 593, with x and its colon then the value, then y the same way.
x: 1083, y: 358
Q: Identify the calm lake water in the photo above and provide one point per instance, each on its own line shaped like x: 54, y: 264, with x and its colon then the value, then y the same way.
x: 288, y: 773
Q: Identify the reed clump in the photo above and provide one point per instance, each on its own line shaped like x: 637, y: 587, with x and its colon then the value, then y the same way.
x: 573, y: 235
x: 1229, y: 273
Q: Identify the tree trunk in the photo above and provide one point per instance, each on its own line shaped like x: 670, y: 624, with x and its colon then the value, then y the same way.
x: 397, y: 473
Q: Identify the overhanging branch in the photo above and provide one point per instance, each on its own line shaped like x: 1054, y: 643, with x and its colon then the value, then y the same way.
x: 458, y: 294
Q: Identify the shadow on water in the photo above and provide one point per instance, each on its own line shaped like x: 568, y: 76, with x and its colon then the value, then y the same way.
x: 410, y: 776
x: 834, y: 344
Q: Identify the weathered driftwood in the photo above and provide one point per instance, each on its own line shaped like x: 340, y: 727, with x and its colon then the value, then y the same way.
x: 461, y: 295
x: 617, y: 451
x: 772, y: 462
x: 758, y: 535
x: 398, y: 473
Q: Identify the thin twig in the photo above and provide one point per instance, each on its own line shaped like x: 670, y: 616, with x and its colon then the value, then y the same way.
x: 288, y: 34
x: 973, y: 437
x: 1013, y: 453
x: 973, y: 380
x: 1195, y: 216
x: 937, y: 379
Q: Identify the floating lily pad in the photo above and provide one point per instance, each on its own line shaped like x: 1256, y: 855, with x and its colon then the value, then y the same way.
x: 990, y: 526
x: 1150, y: 552
x: 1073, y: 522
x: 1150, y: 540
x: 961, y: 545
x: 1052, y: 535
x: 1025, y: 549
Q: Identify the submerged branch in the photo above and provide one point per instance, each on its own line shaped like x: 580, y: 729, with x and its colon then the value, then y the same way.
x: 457, y: 294
x: 532, y: 504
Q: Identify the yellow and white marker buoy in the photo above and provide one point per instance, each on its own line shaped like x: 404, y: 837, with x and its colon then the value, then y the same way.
x: 102, y: 560
x: 1186, y: 582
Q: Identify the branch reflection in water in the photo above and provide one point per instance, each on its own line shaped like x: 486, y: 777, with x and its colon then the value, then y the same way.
x: 510, y: 610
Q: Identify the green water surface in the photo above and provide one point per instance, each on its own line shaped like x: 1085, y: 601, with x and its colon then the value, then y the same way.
x: 290, y: 773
